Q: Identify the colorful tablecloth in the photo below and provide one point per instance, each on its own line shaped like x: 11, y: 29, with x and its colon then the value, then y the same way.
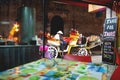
x: 57, y: 69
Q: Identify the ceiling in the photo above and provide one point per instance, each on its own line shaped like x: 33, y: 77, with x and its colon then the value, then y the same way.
x: 108, y: 3
x: 86, y: 2
x: 72, y: 2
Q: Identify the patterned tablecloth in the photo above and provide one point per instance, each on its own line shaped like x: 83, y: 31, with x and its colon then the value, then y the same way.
x: 57, y: 69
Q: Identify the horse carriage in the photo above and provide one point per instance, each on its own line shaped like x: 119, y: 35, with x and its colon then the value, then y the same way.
x: 75, y: 45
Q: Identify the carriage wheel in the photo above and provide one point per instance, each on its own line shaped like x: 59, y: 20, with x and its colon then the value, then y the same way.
x: 82, y: 52
x: 54, y: 51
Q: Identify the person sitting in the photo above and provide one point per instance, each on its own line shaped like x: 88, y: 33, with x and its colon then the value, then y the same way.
x: 59, y: 36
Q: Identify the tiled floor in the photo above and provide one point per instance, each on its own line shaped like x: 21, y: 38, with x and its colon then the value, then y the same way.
x: 98, y: 59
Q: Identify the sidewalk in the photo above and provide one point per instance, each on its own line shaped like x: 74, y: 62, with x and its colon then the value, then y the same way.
x: 97, y: 58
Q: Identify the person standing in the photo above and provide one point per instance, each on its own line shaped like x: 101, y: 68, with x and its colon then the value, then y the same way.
x: 1, y: 38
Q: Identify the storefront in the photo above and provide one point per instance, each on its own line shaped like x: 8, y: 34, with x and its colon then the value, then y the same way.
x: 21, y: 54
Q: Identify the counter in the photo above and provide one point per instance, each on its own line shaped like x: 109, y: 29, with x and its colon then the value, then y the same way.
x: 15, y: 55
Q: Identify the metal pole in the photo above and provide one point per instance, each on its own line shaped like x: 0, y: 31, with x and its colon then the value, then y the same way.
x: 44, y: 24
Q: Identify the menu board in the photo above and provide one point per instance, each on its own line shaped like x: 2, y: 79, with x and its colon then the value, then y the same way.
x: 109, y: 40
x: 110, y: 27
x: 108, y: 55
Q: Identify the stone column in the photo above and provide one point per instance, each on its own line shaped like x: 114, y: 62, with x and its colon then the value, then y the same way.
x: 115, y: 13
x: 118, y: 37
x: 110, y: 13
x: 27, y: 24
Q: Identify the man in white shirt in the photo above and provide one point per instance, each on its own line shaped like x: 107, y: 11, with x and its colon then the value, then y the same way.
x: 59, y: 36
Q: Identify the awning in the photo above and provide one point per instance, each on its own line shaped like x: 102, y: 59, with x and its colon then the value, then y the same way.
x: 86, y: 2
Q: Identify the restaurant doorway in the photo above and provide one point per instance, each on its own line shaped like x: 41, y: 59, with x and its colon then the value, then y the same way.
x: 57, y: 24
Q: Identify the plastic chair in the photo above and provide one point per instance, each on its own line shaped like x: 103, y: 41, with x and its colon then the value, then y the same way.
x: 116, y: 74
x: 78, y: 58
